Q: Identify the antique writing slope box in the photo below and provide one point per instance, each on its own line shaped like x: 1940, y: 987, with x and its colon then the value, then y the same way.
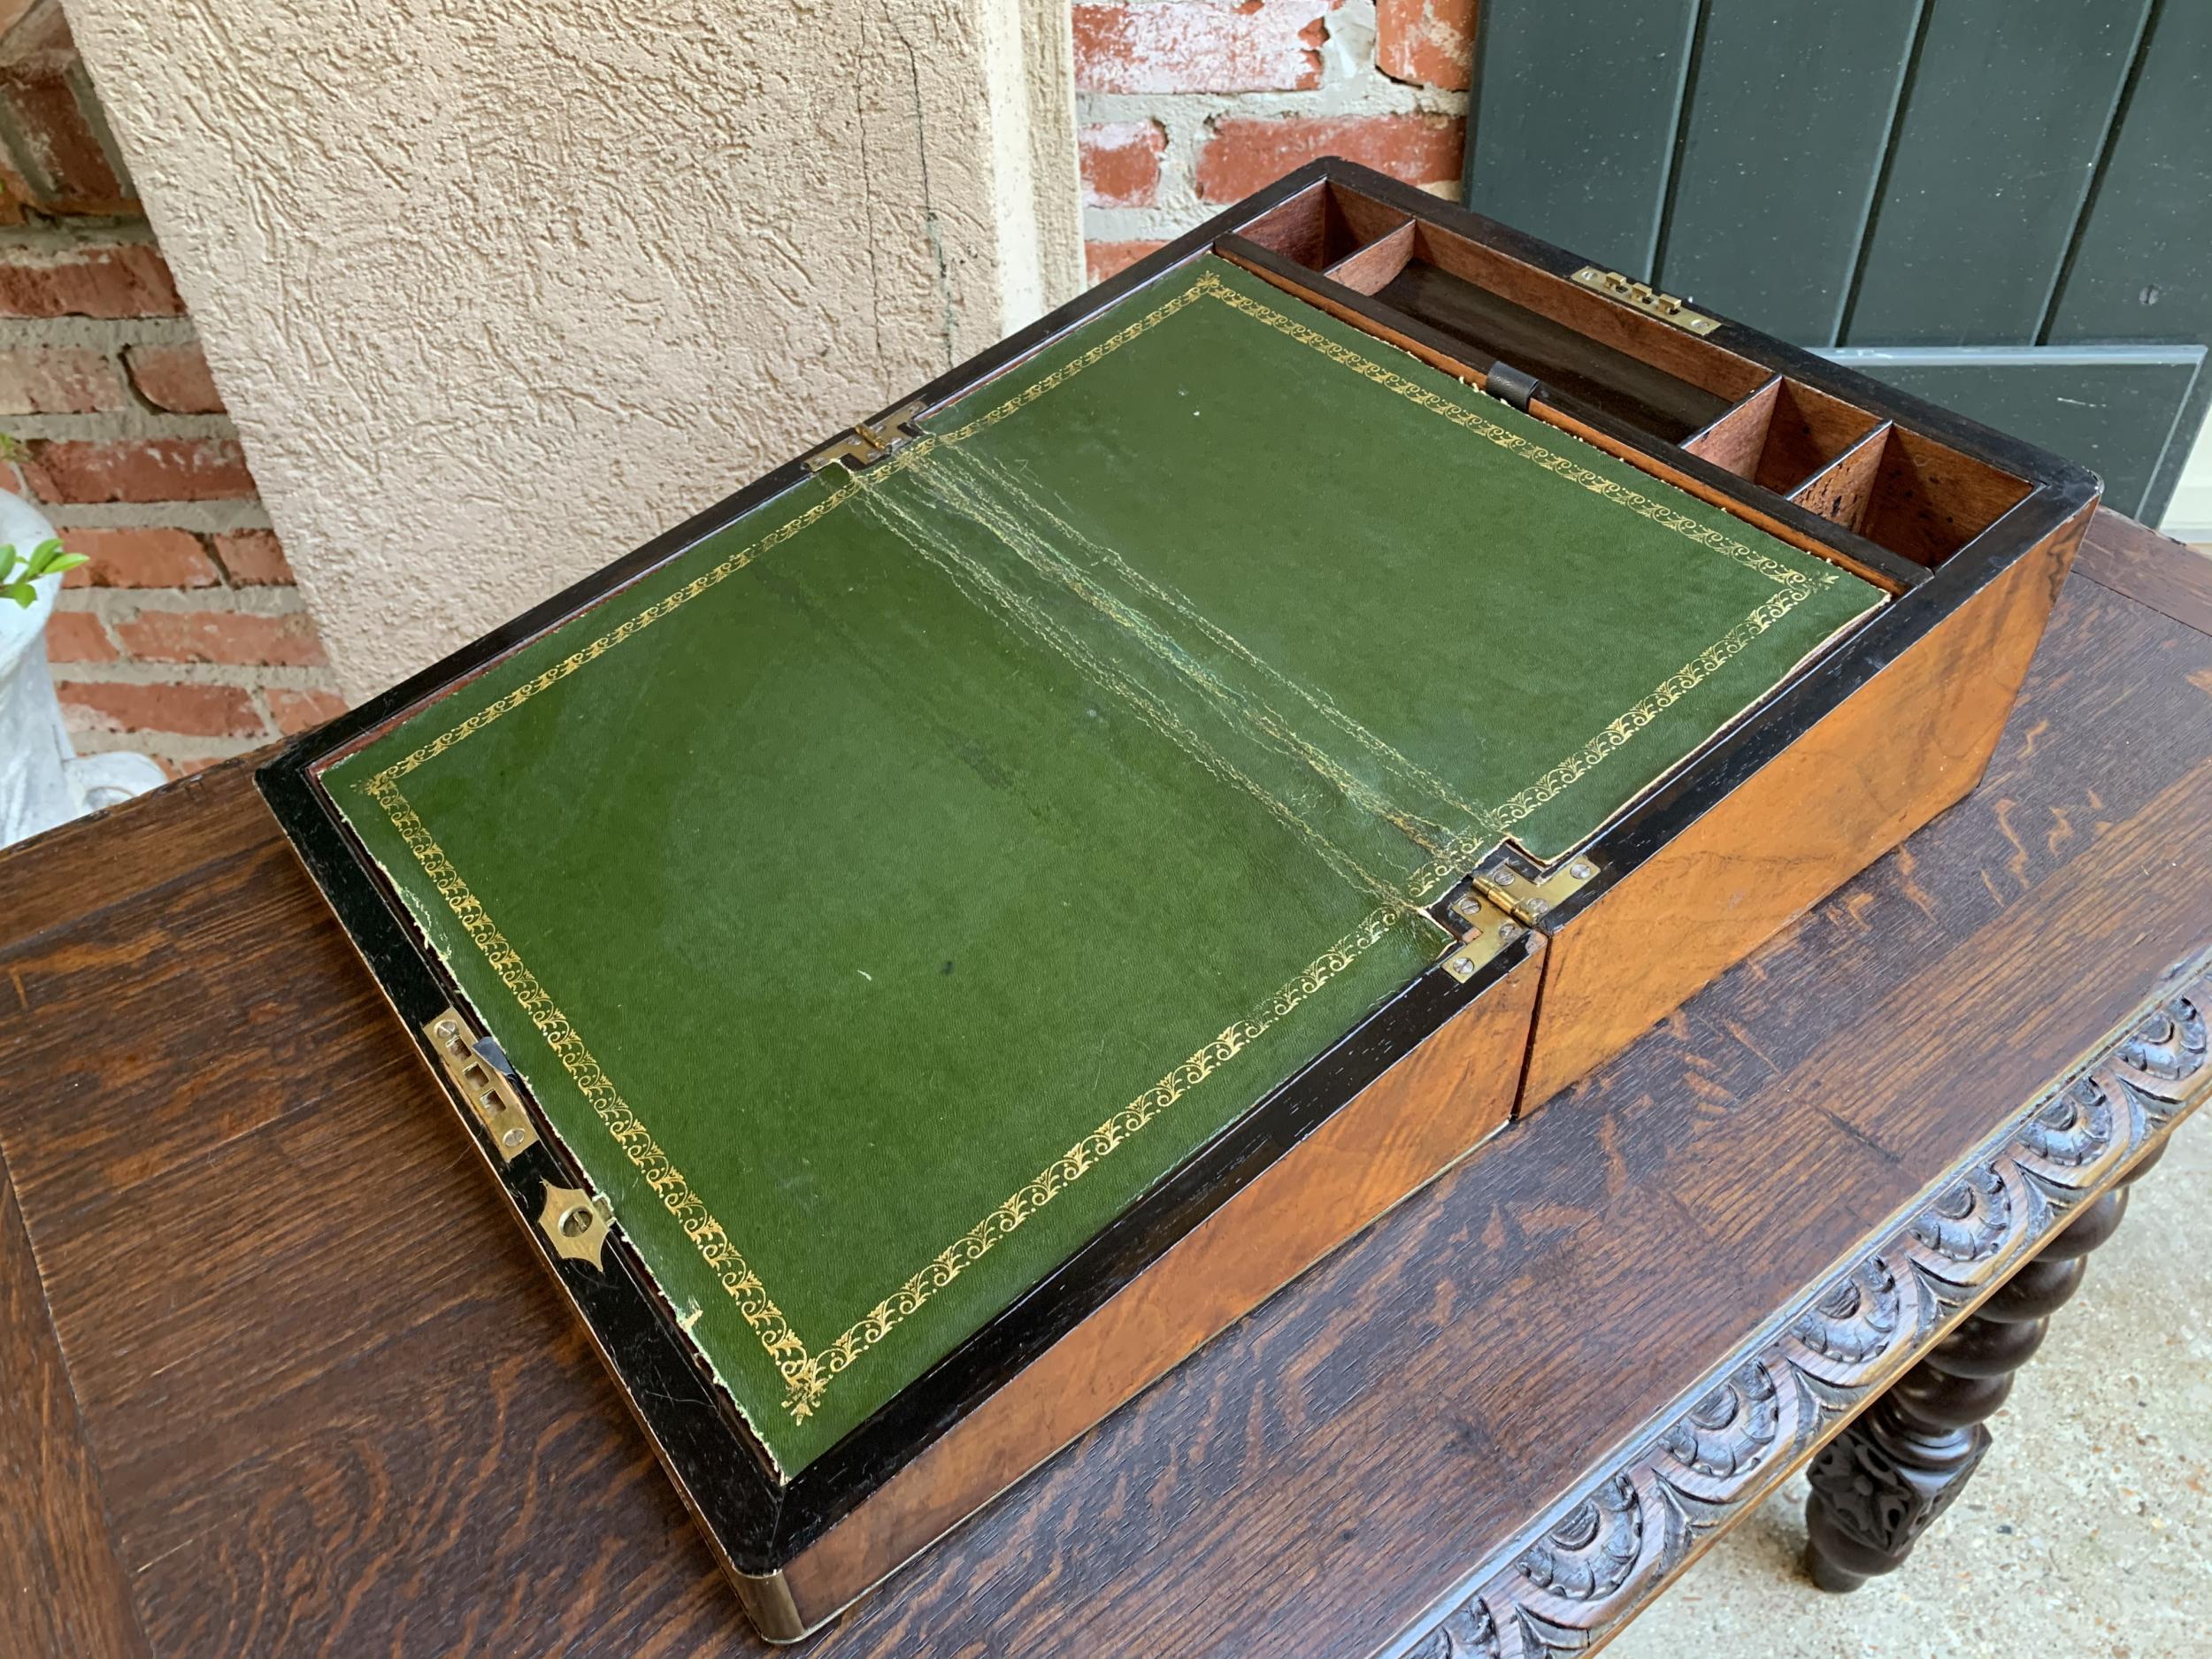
x: 931, y: 940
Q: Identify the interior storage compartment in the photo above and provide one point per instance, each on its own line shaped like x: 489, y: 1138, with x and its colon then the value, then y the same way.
x: 1319, y: 227
x: 1373, y: 266
x: 1927, y: 500
x: 1841, y: 490
x: 1637, y: 369
x: 1783, y: 434
x: 1470, y: 308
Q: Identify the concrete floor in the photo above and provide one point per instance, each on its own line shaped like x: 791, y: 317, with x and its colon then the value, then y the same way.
x: 2088, y: 1530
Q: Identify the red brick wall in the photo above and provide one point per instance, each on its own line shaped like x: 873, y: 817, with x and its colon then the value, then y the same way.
x: 185, y: 637
x: 1188, y: 104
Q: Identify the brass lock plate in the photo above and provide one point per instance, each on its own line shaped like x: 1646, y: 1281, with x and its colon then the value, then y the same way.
x: 576, y: 1223
x: 1642, y: 296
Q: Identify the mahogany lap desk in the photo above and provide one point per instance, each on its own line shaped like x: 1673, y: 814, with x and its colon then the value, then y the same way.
x: 282, y: 1380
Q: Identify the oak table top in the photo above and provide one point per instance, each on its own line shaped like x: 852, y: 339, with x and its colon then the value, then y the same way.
x: 283, y: 1378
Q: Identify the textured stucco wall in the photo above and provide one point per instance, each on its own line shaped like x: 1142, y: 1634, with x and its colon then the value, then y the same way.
x: 495, y: 289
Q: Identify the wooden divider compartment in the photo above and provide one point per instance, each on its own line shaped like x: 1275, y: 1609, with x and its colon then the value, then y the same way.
x: 1899, y: 488
x: 1320, y: 228
x: 1470, y: 308
x: 1784, y: 434
x: 1637, y: 369
x: 1926, y: 500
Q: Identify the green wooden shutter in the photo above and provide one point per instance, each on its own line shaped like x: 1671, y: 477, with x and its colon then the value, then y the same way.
x: 1996, y: 203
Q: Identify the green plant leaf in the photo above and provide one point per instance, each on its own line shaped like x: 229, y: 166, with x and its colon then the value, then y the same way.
x: 50, y: 557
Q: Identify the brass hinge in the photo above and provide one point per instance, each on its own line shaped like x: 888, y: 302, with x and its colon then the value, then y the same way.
x: 865, y: 445
x: 1526, y: 892
x: 1505, y: 897
x: 480, y: 1071
x: 1486, y: 932
x: 1645, y: 298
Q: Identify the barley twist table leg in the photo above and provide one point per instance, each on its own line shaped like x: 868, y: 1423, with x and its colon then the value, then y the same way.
x: 1879, y: 1485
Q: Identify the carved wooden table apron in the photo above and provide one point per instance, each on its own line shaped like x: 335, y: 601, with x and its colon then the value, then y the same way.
x: 282, y: 1380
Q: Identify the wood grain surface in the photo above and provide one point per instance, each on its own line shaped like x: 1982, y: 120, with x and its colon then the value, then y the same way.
x: 298, y: 1378
x: 66, y: 1591
x: 1900, y: 749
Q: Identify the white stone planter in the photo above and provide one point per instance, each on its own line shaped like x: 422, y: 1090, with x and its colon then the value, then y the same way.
x: 43, y: 781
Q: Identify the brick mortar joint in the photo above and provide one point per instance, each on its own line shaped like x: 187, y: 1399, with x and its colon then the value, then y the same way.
x: 243, y: 599
x: 1352, y: 86
x: 196, y: 518
x: 177, y: 746
x: 1375, y: 95
x: 130, y: 671
x: 136, y: 421
x: 72, y: 234
x: 109, y: 333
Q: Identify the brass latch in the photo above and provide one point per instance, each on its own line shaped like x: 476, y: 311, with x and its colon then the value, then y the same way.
x: 865, y: 445
x: 1645, y: 298
x: 480, y: 1071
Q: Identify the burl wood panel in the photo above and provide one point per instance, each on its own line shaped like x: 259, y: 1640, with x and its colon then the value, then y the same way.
x: 1908, y: 743
x: 1398, y: 1135
x: 335, y: 1408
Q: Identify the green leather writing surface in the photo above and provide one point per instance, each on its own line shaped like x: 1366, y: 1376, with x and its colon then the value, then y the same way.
x: 882, y: 894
